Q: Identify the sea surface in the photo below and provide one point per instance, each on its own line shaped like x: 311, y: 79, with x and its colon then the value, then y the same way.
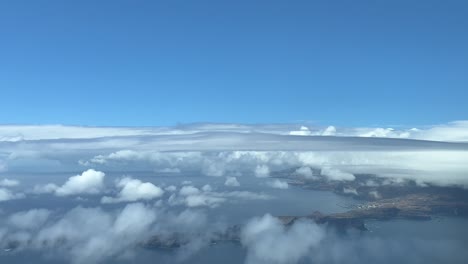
x: 441, y: 240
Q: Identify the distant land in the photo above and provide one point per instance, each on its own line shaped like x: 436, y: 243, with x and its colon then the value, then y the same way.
x: 382, y: 199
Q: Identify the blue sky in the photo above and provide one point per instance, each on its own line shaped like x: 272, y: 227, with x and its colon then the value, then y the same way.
x: 165, y: 62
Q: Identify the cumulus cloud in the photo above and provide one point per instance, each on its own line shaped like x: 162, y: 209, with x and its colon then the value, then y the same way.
x: 383, y: 132
x: 3, y: 166
x: 305, y: 172
x: 231, y: 181
x: 45, y: 188
x: 303, y: 131
x: 188, y: 190
x: 89, y: 182
x: 218, y: 151
x: 329, y: 131
x: 9, y: 183
x: 336, y: 174
x: 118, y: 156
x: 238, y: 150
x: 456, y: 131
x: 203, y: 200
x: 81, y: 229
x: 207, y: 188
x: 78, y: 236
x: 6, y: 195
x: 245, y: 195
x: 212, y: 168
x: 350, y: 191
x: 453, y: 131
x: 262, y: 171
x: 278, y: 184
x: 29, y: 219
x: 396, y: 160
x: 170, y: 188
x: 191, y: 196
x: 170, y: 170
x: 375, y: 194
x: 132, y: 190
x: 194, y: 197
x: 268, y: 241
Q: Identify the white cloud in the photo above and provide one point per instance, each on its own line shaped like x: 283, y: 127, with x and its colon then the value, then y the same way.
x: 81, y: 234
x: 244, y: 195
x: 303, y: 131
x: 9, y: 183
x: 375, y: 194
x: 305, y: 172
x: 29, y: 219
x: 132, y: 190
x: 329, y: 131
x: 278, y: 184
x: 268, y: 241
x: 402, y: 159
x: 454, y: 131
x: 379, y: 132
x: 207, y: 188
x: 191, y: 196
x: 78, y: 236
x: 119, y: 155
x: 188, y: 190
x: 336, y: 174
x: 3, y: 166
x: 350, y: 191
x: 262, y: 171
x: 14, y: 133
x: 213, y: 168
x: 203, y: 200
x: 236, y: 150
x: 46, y: 188
x: 89, y: 182
x: 170, y: 188
x: 170, y: 170
x: 231, y: 181
x: 6, y: 195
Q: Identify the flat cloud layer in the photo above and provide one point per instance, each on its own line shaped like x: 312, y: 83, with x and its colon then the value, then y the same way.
x: 453, y: 131
x: 233, y: 149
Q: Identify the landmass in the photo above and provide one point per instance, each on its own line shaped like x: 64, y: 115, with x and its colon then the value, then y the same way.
x: 381, y: 199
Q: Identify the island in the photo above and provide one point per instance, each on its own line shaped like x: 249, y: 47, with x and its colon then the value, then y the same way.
x: 381, y: 199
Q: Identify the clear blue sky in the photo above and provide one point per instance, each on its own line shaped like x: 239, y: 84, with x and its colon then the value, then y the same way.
x: 163, y: 62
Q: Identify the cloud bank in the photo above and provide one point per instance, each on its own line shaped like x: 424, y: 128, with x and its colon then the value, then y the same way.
x: 223, y: 150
